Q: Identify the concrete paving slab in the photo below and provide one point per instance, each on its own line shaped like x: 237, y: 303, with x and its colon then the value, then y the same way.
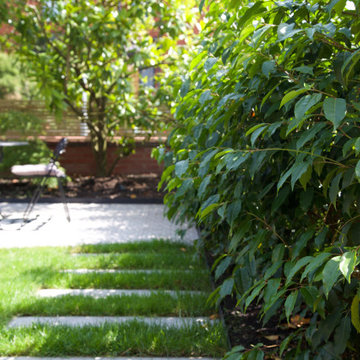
x: 101, y: 358
x: 80, y: 321
x: 90, y: 224
x: 103, y: 293
x: 115, y: 271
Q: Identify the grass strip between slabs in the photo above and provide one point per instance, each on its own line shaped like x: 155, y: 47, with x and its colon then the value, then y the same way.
x: 24, y: 271
x: 150, y: 260
x: 130, y: 339
x: 156, y: 246
x: 153, y: 305
x: 178, y: 280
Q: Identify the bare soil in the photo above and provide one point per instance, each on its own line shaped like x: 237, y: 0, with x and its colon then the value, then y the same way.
x: 127, y: 188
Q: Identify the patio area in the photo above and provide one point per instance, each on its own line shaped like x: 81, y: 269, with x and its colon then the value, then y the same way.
x: 90, y: 224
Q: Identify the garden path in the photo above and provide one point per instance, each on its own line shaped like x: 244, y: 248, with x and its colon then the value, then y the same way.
x: 95, y: 224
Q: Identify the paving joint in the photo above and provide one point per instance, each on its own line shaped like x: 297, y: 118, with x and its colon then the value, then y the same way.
x: 103, y: 293
x: 80, y: 321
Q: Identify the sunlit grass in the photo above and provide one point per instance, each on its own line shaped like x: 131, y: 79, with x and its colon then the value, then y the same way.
x: 24, y: 271
x: 153, y: 305
x: 175, y: 280
x: 130, y: 339
x: 138, y: 246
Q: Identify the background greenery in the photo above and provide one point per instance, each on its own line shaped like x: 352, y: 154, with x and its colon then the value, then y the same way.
x: 99, y: 51
x: 265, y: 159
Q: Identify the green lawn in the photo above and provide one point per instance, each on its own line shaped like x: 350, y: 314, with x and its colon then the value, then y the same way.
x: 24, y: 271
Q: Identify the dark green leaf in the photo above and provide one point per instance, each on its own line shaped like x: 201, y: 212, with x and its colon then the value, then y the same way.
x: 286, y: 31
x: 233, y: 211
x: 209, y: 63
x: 185, y: 87
x: 305, y: 69
x: 272, y: 269
x: 305, y: 104
x: 204, y: 184
x: 254, y: 294
x: 271, y: 289
x: 310, y: 294
x: 181, y: 167
x: 290, y: 303
x: 205, y: 96
x: 226, y: 287
x: 297, y: 170
x: 309, y: 134
x: 342, y: 335
x: 295, y: 268
x: 301, y: 242
x: 315, y: 263
x: 280, y: 198
x: 357, y: 170
x: 268, y: 67
x: 306, y: 198
x: 335, y: 110
x: 222, y: 267
x: 291, y: 95
x: 256, y: 134
x: 347, y: 264
x: 334, y: 188
x: 331, y: 273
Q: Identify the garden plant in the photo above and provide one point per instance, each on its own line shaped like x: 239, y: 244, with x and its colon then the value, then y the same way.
x: 91, y: 56
x: 264, y: 157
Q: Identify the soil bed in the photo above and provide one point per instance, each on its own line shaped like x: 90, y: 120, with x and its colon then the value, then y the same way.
x: 108, y: 189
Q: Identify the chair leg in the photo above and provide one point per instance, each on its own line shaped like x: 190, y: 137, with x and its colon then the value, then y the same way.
x: 34, y: 198
x: 63, y: 198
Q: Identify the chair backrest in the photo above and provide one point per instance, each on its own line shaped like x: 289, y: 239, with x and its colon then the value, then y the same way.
x: 60, y: 148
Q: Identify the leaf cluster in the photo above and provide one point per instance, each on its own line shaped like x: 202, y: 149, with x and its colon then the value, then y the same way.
x: 265, y: 159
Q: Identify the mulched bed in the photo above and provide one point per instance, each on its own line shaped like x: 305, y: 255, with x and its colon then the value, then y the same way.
x: 127, y: 188
x: 247, y: 329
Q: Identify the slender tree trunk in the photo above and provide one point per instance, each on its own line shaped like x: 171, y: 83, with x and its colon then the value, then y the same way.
x: 99, y: 147
x: 98, y: 134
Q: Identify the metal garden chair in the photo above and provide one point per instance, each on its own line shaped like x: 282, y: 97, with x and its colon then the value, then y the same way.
x: 45, y: 172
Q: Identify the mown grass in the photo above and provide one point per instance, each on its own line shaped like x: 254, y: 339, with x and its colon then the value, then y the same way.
x: 24, y: 271
x: 137, y: 247
x: 148, y: 260
x: 153, y: 305
x: 176, y: 280
x: 130, y: 339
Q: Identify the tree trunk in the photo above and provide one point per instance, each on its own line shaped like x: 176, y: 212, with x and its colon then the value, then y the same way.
x: 98, y: 133
x: 99, y: 146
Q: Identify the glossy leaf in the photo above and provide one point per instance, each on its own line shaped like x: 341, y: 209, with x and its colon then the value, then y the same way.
x: 305, y: 104
x: 347, y: 264
x: 292, y: 95
x: 331, y: 273
x: 286, y: 31
x: 181, y: 167
x: 355, y: 318
x: 290, y: 304
x: 335, y: 110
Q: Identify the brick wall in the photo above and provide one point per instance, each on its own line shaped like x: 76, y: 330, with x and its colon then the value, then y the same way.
x: 79, y: 159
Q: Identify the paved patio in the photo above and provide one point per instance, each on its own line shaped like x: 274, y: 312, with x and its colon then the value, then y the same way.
x: 90, y: 224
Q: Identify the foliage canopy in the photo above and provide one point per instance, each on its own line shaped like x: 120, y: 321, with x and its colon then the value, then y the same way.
x: 96, y: 49
x: 265, y: 157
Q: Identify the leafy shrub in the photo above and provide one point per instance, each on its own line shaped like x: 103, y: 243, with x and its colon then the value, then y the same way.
x: 36, y: 152
x: 265, y: 158
x: 13, y: 83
